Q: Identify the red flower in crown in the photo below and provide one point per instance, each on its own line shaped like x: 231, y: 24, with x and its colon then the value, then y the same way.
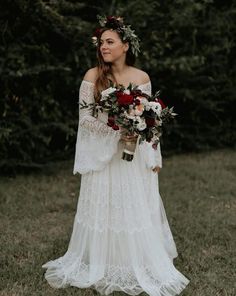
x: 110, y: 18
x: 113, y: 22
x: 97, y: 32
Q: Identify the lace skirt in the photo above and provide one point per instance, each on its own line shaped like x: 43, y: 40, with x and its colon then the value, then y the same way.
x: 121, y: 239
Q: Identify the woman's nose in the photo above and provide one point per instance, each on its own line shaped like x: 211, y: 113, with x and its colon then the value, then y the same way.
x: 103, y: 46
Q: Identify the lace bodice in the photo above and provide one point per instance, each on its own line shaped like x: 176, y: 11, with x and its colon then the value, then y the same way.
x: 97, y: 124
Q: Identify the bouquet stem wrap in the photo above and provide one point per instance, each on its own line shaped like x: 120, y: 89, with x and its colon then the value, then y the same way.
x: 129, y: 149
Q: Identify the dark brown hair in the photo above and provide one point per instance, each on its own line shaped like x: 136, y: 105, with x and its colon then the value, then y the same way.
x: 104, y: 69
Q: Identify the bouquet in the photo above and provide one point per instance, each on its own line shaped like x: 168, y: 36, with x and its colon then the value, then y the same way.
x: 136, y: 114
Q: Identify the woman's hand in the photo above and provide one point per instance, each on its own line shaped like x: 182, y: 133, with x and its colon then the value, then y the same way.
x: 128, y: 138
x: 157, y: 169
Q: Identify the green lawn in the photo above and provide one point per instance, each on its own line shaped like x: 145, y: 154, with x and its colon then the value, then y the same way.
x: 198, y: 191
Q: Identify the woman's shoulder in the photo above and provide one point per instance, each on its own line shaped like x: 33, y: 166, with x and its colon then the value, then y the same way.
x: 141, y: 76
x: 91, y: 75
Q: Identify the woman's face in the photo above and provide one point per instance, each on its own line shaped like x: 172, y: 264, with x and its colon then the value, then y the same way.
x: 111, y: 46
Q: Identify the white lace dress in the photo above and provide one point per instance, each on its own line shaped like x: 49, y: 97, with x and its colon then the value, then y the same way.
x: 121, y: 239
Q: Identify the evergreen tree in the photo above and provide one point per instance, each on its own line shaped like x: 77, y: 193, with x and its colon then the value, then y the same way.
x: 187, y: 48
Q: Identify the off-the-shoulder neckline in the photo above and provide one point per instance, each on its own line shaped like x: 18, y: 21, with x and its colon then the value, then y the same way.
x: 143, y: 84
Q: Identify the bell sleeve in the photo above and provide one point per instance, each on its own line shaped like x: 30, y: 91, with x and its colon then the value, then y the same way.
x: 96, y: 142
x: 152, y: 157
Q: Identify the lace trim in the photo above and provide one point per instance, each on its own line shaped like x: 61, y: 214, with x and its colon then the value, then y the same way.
x: 87, y: 212
x: 145, y: 87
x: 71, y: 270
x: 101, y: 226
x: 93, y: 125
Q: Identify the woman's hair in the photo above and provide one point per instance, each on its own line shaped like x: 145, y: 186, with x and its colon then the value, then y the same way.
x: 104, y: 69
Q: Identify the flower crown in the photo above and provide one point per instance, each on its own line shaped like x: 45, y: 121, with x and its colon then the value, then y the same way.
x: 117, y: 24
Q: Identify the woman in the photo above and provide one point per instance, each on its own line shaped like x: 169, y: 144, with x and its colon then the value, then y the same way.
x: 121, y: 239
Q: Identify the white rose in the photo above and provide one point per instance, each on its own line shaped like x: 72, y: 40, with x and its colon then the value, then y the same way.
x: 147, y: 108
x: 127, y: 91
x: 141, y: 125
x: 108, y: 91
x: 129, y: 115
x: 95, y: 40
x: 131, y: 112
x: 138, y: 113
x: 155, y: 106
x: 139, y: 110
x: 143, y: 101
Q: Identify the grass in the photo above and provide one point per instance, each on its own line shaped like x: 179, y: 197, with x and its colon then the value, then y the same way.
x: 198, y: 191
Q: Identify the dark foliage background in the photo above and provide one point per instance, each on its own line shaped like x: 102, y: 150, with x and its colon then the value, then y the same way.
x: 188, y: 49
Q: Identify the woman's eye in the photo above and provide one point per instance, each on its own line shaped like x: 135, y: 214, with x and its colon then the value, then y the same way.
x: 108, y: 42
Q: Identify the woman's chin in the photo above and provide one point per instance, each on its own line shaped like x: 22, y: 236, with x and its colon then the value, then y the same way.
x: 107, y: 59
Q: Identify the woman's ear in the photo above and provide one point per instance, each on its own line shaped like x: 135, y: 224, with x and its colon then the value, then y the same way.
x: 126, y: 46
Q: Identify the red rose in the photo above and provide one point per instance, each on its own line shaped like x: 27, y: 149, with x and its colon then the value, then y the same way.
x: 137, y: 102
x: 150, y: 121
x: 124, y: 99
x: 163, y: 106
x: 111, y: 120
x: 111, y: 123
x: 115, y: 127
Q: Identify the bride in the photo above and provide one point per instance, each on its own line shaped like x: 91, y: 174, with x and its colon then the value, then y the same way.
x: 121, y: 239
